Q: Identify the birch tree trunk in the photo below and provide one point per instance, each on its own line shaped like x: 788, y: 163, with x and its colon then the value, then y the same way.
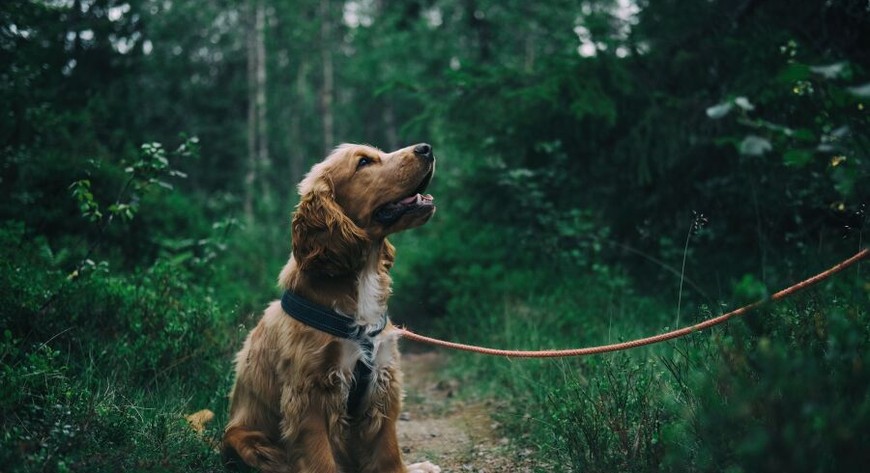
x: 256, y: 186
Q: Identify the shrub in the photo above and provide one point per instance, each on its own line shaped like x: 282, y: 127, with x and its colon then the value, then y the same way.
x: 103, y: 352
x: 609, y: 419
x: 790, y: 392
x: 56, y: 420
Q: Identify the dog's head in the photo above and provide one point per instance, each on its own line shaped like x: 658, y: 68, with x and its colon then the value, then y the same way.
x: 356, y: 196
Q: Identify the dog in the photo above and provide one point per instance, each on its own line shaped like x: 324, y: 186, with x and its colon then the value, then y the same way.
x: 318, y: 384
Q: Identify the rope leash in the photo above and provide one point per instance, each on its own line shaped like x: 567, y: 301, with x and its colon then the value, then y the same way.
x: 642, y: 341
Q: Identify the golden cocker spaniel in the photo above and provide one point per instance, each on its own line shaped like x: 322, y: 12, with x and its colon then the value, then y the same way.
x: 318, y: 386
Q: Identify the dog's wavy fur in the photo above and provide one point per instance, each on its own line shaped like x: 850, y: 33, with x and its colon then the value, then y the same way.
x: 288, y: 410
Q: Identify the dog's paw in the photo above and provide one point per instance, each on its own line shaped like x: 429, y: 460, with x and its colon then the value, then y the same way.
x: 423, y: 467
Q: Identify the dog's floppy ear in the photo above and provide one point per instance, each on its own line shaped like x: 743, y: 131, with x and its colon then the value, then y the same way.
x: 325, y: 240
x: 388, y: 255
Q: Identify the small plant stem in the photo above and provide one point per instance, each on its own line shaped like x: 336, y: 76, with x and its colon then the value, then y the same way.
x: 101, y: 229
x: 682, y: 275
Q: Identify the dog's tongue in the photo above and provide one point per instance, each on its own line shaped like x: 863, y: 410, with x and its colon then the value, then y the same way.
x: 415, y: 199
x: 409, y: 200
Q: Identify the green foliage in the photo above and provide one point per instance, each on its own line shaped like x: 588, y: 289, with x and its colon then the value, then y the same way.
x: 793, y: 399
x: 81, y: 191
x: 101, y: 362
x: 610, y: 419
x: 573, y: 139
x: 58, y: 421
x: 785, y: 389
x: 93, y: 352
x: 828, y: 137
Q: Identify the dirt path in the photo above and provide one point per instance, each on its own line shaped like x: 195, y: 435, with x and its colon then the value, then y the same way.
x: 457, y: 435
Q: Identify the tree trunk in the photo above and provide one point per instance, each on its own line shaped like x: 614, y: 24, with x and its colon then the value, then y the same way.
x: 251, y: 174
x: 326, y: 91
x: 480, y: 26
x: 263, y: 162
x: 390, y: 125
x: 256, y: 186
x: 297, y: 152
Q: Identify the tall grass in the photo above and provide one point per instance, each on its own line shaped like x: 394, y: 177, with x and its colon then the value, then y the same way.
x: 785, y: 389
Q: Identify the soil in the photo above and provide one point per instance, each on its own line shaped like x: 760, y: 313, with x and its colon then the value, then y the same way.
x: 454, y: 432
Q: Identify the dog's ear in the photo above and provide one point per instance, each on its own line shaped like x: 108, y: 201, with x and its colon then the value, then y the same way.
x: 325, y: 240
x: 388, y: 255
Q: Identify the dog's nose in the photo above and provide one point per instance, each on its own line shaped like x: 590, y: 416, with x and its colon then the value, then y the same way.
x: 423, y: 150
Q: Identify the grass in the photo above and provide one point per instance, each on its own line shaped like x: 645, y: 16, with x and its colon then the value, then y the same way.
x: 62, y: 419
x: 100, y: 379
x: 98, y: 370
x: 769, y: 392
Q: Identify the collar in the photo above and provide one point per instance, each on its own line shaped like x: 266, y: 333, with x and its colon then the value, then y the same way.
x: 331, y: 322
x: 327, y: 320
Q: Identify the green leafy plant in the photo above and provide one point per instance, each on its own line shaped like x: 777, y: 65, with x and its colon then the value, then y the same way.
x: 610, y: 419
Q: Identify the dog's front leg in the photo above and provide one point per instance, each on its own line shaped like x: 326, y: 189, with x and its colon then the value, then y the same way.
x: 384, y: 455
x: 305, y: 430
x: 312, y: 448
x: 378, y: 430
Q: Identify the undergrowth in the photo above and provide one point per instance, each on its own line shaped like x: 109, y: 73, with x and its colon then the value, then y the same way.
x: 115, y: 328
x: 121, y: 318
x: 97, y: 374
x: 786, y: 388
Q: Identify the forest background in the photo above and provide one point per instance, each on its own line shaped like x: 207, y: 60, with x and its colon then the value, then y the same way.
x: 607, y: 169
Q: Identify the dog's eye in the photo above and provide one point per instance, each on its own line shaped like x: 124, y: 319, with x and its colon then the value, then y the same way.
x: 363, y: 161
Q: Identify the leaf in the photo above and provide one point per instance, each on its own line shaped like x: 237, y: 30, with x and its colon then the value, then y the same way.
x: 727, y: 141
x: 754, y: 145
x: 720, y: 110
x: 750, y: 288
x: 797, y: 157
x: 804, y: 134
x: 844, y: 180
x: 793, y: 73
x: 744, y: 103
x: 832, y: 71
x: 180, y: 258
x: 862, y: 91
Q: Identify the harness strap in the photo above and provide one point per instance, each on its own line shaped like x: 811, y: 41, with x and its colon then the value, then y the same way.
x: 335, y: 324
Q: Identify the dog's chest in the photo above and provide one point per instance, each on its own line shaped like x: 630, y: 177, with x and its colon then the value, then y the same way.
x: 366, y: 373
x: 372, y: 290
x: 382, y: 354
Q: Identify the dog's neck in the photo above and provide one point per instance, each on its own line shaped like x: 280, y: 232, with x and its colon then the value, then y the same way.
x: 361, y: 294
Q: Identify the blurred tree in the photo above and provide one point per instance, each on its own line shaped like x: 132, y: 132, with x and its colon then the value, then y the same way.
x: 259, y: 163
x: 327, y: 89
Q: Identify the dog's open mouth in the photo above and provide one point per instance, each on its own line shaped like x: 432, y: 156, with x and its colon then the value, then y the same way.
x: 416, y: 202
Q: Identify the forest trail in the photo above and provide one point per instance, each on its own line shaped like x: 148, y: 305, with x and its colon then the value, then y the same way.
x: 457, y: 434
